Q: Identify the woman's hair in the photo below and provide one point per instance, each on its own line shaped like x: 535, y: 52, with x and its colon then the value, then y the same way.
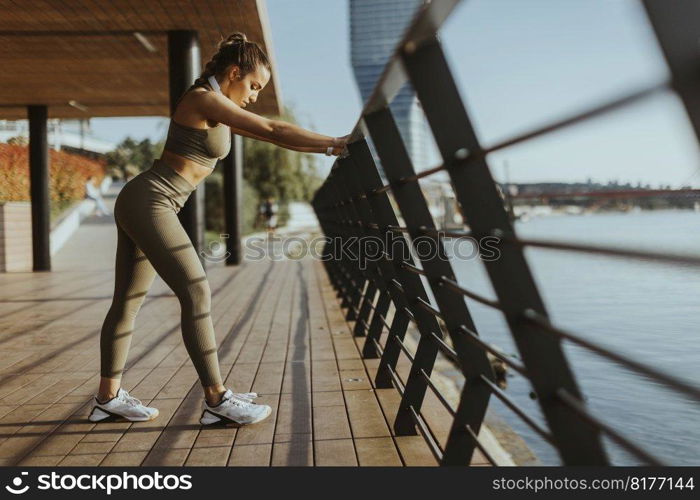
x: 238, y: 50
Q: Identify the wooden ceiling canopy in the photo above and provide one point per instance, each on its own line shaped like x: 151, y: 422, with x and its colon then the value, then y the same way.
x: 110, y: 57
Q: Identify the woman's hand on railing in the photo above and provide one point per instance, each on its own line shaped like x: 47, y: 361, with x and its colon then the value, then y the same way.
x: 339, y: 144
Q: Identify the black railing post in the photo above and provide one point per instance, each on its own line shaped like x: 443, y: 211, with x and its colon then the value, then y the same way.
x: 473, y: 360
x: 354, y: 201
x: 578, y: 442
x: 356, y: 280
x: 355, y: 233
x: 677, y: 29
x: 335, y: 225
x: 321, y: 205
x: 381, y: 270
x: 427, y: 324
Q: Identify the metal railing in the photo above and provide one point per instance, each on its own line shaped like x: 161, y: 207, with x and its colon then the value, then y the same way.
x: 353, y: 204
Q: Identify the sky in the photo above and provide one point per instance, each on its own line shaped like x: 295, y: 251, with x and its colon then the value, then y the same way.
x: 518, y: 65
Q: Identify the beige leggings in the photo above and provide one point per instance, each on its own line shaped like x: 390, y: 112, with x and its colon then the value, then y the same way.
x: 150, y: 239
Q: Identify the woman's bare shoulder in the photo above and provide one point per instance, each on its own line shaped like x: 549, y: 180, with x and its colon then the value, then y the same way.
x: 188, y: 111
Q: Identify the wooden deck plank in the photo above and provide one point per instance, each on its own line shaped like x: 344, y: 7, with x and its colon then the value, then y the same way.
x: 131, y: 376
x: 241, y: 376
x: 281, y: 333
x: 292, y: 440
x: 183, y: 428
x: 374, y: 439
x: 377, y: 451
x: 264, y: 378
x: 335, y: 453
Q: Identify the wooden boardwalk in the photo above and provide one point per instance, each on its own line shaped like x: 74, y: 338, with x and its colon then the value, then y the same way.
x: 281, y: 333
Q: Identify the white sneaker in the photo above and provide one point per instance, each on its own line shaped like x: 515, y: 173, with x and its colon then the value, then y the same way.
x: 245, y: 395
x: 235, y: 409
x: 122, y: 406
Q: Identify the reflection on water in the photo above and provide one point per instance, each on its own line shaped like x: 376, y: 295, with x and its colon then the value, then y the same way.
x: 648, y: 311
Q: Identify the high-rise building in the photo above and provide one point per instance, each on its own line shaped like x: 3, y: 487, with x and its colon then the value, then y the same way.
x: 376, y: 27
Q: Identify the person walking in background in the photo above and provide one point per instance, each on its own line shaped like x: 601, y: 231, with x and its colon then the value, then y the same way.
x: 268, y: 211
x: 92, y: 192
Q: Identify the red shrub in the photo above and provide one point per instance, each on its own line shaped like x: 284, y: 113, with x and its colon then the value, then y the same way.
x: 67, y: 174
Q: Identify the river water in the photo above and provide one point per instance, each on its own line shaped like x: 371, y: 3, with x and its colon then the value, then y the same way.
x: 647, y: 311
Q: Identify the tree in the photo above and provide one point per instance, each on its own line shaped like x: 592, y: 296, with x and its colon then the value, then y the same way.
x: 274, y: 171
x: 268, y: 170
x: 132, y: 155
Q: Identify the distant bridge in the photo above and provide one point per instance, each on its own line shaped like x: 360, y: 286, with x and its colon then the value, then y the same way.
x: 623, y: 193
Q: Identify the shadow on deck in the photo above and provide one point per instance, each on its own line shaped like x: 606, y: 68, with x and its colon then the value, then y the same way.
x: 281, y: 333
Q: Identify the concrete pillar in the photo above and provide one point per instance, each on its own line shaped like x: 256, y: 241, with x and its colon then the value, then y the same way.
x: 39, y: 187
x: 232, y: 194
x: 184, y: 66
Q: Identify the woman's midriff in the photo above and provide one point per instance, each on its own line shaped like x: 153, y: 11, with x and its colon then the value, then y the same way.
x: 193, y: 172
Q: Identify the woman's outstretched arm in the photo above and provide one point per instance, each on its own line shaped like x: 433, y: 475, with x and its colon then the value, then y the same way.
x: 304, y: 149
x: 220, y: 109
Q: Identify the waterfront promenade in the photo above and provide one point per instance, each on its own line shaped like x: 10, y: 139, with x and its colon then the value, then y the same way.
x: 281, y: 333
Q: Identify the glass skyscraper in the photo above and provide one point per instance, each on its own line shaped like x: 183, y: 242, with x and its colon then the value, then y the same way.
x: 376, y: 27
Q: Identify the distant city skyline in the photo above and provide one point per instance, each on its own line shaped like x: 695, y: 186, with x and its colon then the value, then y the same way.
x: 517, y: 65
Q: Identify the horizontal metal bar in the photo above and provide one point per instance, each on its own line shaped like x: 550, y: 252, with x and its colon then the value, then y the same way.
x: 438, y: 394
x: 668, y: 380
x: 575, y: 405
x: 442, y: 232
x: 423, y: 173
x: 591, y: 113
x: 453, y: 285
x: 364, y: 324
x: 509, y: 360
x: 396, y: 380
x: 611, y: 251
x: 405, y: 350
x: 446, y: 349
x: 380, y: 190
x: 519, y: 411
x: 397, y: 284
x: 413, y: 268
x: 406, y: 180
x: 381, y: 318
x: 377, y: 346
x: 427, y: 434
x: 481, y: 447
x: 425, y: 305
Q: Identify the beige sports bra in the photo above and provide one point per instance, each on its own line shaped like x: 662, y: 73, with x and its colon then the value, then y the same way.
x: 203, y: 146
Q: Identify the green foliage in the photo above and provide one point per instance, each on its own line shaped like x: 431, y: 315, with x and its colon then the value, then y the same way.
x: 214, y: 212
x: 131, y: 156
x: 284, y: 174
x: 268, y: 170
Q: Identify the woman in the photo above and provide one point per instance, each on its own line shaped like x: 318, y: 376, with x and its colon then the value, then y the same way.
x: 151, y: 238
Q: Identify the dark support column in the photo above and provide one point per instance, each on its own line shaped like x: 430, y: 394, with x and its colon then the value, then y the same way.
x: 184, y: 66
x: 39, y: 187
x: 233, y: 191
